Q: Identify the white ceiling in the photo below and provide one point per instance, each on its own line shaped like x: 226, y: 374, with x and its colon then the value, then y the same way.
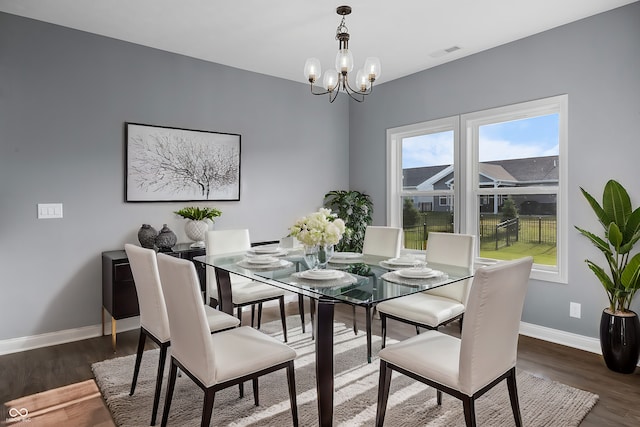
x: 275, y: 37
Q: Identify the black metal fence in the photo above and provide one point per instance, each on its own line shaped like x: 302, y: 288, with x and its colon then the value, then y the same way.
x: 526, y: 229
x: 415, y: 237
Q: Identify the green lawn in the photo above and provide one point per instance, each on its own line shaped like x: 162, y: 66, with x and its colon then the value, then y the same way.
x: 542, y: 253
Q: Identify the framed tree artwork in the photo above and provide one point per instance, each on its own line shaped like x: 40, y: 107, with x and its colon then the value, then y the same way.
x: 166, y: 164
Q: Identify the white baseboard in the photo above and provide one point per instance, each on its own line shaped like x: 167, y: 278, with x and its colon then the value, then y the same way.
x: 561, y: 337
x: 568, y: 339
x: 14, y: 345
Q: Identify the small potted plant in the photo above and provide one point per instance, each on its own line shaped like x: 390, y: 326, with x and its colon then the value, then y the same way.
x: 200, y: 220
x: 619, y: 325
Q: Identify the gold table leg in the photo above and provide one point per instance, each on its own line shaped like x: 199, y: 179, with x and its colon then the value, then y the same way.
x: 113, y: 333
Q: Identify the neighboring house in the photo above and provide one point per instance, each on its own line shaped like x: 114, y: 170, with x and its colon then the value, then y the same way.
x: 529, y: 172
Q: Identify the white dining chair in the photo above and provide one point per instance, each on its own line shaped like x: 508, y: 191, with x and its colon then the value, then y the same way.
x: 154, y: 322
x: 382, y: 241
x: 215, y: 361
x: 244, y: 291
x: 434, y: 308
x: 469, y: 366
x: 378, y: 241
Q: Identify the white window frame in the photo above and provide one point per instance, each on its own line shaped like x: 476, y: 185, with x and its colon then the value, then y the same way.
x: 466, y: 172
x: 395, y: 192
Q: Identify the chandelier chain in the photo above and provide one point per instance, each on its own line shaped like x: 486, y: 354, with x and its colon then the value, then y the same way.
x: 342, y: 28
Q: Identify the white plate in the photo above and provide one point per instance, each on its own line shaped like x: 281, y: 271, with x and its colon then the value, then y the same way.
x: 253, y: 253
x: 279, y: 263
x: 417, y: 273
x: 346, y: 255
x: 321, y: 274
x: 262, y: 259
x: 403, y: 261
x: 266, y: 249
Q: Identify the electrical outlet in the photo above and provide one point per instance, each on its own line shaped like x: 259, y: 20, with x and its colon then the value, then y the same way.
x: 574, y: 310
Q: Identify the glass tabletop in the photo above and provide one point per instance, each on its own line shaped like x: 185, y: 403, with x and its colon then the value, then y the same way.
x: 360, y: 280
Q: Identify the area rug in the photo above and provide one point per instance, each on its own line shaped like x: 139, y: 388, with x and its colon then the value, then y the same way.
x: 543, y: 402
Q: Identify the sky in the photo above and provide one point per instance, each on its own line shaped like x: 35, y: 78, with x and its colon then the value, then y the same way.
x: 518, y: 139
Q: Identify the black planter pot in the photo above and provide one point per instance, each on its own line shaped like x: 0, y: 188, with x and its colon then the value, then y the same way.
x: 620, y: 341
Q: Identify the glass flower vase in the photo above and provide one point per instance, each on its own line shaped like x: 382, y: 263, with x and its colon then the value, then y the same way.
x: 311, y: 256
x: 325, y: 252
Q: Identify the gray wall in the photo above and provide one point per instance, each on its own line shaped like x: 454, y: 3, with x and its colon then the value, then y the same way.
x: 64, y: 96
x: 596, y: 62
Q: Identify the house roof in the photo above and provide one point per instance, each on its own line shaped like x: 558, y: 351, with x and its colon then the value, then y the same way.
x: 529, y: 169
x: 532, y: 169
x: 413, y: 177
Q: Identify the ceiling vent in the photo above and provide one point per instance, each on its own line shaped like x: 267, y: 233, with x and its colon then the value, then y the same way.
x: 443, y: 52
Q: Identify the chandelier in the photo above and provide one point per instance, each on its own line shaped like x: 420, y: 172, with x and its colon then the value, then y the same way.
x: 338, y: 80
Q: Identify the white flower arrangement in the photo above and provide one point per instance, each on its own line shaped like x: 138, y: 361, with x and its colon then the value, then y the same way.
x: 319, y: 228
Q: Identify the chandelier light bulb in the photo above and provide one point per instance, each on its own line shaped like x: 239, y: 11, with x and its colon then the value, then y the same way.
x: 362, y: 81
x: 372, y: 68
x: 312, y: 69
x: 344, y: 61
x: 330, y: 81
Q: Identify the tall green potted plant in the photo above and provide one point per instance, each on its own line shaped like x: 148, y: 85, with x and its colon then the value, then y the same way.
x: 356, y: 210
x: 619, y: 325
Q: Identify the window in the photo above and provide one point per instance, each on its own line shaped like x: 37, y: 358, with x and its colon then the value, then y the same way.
x: 509, y: 164
x: 423, y: 157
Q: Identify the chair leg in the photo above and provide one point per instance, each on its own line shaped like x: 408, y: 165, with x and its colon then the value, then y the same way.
x: 469, y: 411
x: 355, y: 325
x: 312, y: 314
x: 259, y: 315
x: 291, y: 381
x: 156, y: 396
x: 383, y: 321
x: 417, y: 330
x: 513, y: 396
x: 170, y: 386
x: 439, y: 397
x: 239, y: 315
x: 383, y: 392
x: 283, y: 317
x: 256, y: 396
x: 136, y: 369
x: 207, y: 408
x: 461, y: 319
x: 241, y: 389
x: 301, y: 311
x: 253, y: 315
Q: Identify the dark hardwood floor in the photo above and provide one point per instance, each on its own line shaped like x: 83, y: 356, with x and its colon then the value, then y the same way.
x: 42, y: 369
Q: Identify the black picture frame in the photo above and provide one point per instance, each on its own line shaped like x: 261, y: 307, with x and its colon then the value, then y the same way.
x: 169, y: 164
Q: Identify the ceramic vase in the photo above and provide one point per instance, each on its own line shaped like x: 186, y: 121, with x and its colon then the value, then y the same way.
x: 147, y: 236
x: 620, y: 341
x: 166, y: 239
x: 196, y: 231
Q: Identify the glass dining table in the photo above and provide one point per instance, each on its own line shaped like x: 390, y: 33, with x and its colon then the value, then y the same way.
x: 358, y: 280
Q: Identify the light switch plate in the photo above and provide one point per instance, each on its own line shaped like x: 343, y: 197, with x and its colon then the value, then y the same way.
x: 49, y: 210
x: 574, y: 309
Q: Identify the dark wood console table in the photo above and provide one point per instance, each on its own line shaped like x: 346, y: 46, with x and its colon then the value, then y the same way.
x: 119, y: 296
